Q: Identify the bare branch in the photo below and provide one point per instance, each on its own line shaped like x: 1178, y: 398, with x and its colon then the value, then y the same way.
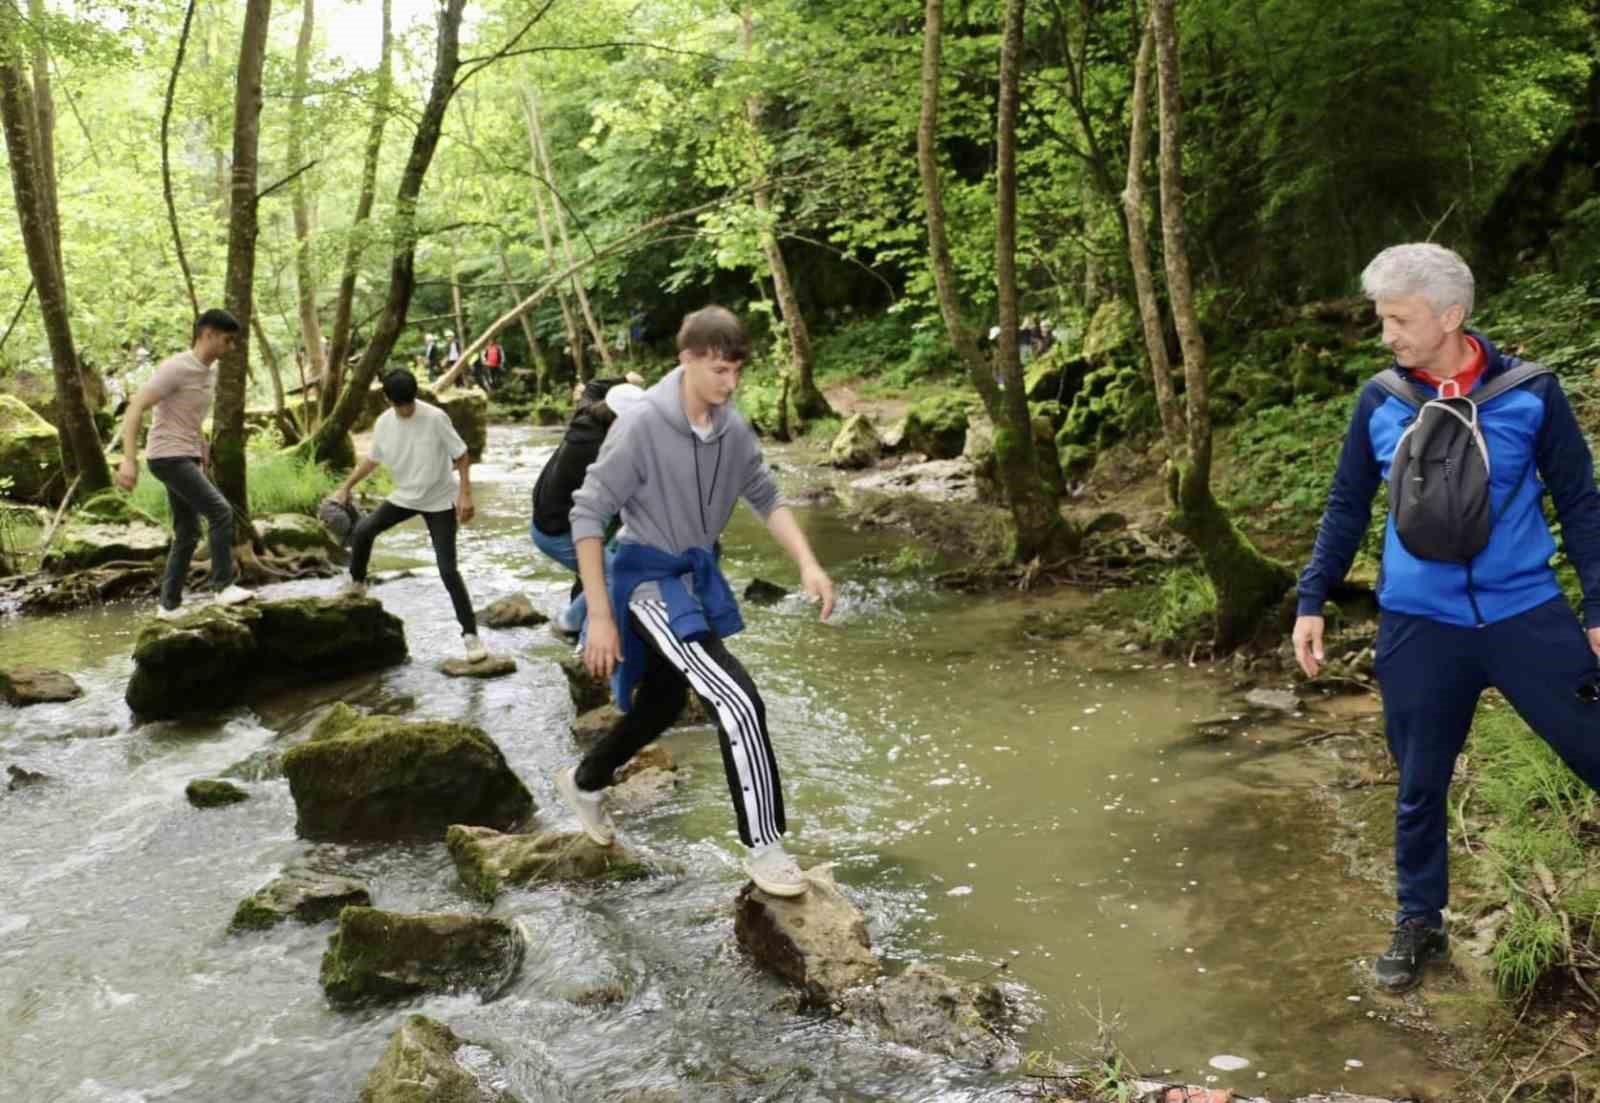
x: 166, y: 163
x: 307, y: 167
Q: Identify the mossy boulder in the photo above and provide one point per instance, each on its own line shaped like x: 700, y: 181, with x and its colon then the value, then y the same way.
x: 1102, y: 410
x: 937, y: 426
x: 383, y: 778
x: 301, y: 893
x: 981, y: 452
x: 379, y: 956
x: 1112, y: 329
x: 30, y: 453
x: 488, y: 860
x: 114, y: 507
x: 856, y: 445
x: 420, y: 1066
x: 212, y: 793
x: 469, y: 414
x: 293, y: 533
x: 224, y: 655
x: 82, y: 544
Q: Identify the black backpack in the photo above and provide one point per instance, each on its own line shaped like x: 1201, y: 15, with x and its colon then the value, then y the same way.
x: 1439, y: 478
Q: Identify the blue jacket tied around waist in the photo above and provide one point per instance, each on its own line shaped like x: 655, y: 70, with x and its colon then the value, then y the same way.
x: 711, y: 608
x: 1531, y: 435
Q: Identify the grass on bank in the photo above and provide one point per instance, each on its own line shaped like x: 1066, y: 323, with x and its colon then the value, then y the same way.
x: 277, y: 482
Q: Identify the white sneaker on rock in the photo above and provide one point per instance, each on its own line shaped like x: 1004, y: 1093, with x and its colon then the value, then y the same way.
x: 234, y: 595
x: 175, y: 613
x: 476, y: 652
x: 352, y: 588
x: 586, y: 806
x: 774, y: 871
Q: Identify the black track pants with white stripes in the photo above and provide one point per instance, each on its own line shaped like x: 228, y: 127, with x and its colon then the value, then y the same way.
x: 672, y: 669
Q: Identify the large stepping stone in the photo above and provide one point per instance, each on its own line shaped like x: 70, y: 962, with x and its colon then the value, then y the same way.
x: 488, y: 861
x: 302, y: 893
x: 379, y: 956
x: 28, y: 685
x: 378, y: 777
x: 817, y: 942
x: 421, y: 1065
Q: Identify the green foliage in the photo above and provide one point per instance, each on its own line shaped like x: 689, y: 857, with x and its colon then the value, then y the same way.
x: 1183, y: 607
x: 1106, y: 408
x: 280, y: 483
x: 1281, y: 462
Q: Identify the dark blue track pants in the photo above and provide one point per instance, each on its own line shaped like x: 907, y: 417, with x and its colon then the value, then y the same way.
x: 1431, y: 675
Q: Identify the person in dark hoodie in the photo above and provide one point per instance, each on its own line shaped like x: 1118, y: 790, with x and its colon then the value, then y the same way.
x: 1459, y: 615
x: 563, y: 474
x: 674, y: 467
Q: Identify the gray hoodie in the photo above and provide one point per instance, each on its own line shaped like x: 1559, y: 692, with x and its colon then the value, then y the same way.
x: 674, y: 489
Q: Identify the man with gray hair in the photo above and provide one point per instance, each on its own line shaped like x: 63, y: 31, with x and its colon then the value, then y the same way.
x: 1468, y: 439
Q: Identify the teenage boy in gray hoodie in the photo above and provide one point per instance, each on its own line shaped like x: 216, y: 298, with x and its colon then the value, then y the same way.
x: 674, y: 466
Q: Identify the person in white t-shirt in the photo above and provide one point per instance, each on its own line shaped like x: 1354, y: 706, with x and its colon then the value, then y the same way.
x: 424, y: 455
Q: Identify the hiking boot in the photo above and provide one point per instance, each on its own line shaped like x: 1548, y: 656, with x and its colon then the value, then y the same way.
x: 1415, y: 944
x: 476, y: 652
x: 586, y: 806
x: 352, y: 588
x: 175, y: 613
x: 234, y: 595
x: 774, y: 871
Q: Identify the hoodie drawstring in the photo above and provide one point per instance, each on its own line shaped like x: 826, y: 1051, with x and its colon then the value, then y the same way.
x: 700, y: 494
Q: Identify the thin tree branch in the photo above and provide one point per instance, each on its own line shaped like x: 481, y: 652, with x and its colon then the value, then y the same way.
x: 166, y: 162
x: 307, y: 167
x: 17, y: 317
x: 466, y: 73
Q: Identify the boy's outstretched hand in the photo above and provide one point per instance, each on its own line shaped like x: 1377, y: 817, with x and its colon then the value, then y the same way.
x: 819, y: 587
x: 602, y: 647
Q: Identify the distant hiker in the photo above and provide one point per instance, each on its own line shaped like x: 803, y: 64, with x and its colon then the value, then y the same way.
x: 430, y: 350
x: 494, y: 365
x: 452, y: 353
x: 1469, y: 439
x: 551, y: 528
x: 180, y: 392
x: 424, y: 455
x: 674, y: 468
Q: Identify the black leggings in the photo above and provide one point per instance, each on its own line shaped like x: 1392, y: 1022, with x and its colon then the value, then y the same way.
x: 442, y: 527
x: 720, y: 680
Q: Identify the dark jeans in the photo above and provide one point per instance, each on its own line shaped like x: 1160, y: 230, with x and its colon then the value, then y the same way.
x: 190, y: 496
x: 1431, y: 675
x: 442, y: 527
x: 673, y: 667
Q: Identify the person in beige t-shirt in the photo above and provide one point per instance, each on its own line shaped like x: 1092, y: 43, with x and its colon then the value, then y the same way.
x: 178, y: 454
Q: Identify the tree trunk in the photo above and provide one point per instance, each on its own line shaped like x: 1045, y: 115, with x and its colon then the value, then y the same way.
x: 569, y: 320
x: 1248, y: 584
x: 81, y: 453
x: 535, y: 353
x: 809, y: 402
x: 44, y: 113
x: 460, y: 336
x: 339, y: 344
x: 328, y: 443
x: 559, y: 215
x: 280, y: 408
x: 228, y: 431
x: 305, y: 276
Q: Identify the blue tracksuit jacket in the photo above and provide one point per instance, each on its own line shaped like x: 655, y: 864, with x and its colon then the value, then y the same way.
x: 1532, y: 436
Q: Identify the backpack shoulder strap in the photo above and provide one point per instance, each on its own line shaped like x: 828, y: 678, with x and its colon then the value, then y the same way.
x: 1402, y: 388
x: 1508, y: 380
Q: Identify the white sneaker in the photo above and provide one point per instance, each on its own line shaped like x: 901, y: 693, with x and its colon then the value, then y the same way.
x: 352, y: 588
x: 234, y: 595
x: 586, y: 806
x: 476, y: 652
x: 774, y: 871
x: 163, y: 613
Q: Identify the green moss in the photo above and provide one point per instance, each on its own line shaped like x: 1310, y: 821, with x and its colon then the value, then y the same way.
x: 253, y: 915
x: 487, y: 861
x: 30, y: 452
x: 115, y: 507
x: 377, y: 956
x: 338, y: 720
x: 937, y: 425
x: 208, y: 793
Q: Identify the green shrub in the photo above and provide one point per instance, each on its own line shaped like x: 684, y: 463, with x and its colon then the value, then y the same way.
x: 277, y: 483
x: 1184, y: 607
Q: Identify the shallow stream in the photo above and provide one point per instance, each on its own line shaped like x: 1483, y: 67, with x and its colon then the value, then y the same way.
x: 984, y: 797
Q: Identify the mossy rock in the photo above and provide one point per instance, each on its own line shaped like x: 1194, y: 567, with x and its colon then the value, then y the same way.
x: 295, y: 532
x: 304, y: 894
x: 488, y: 860
x: 420, y: 1066
x: 378, y: 956
x: 322, y: 638
x: 114, y: 507
x: 30, y: 453
x: 856, y: 445
x: 82, y: 544
x: 383, y: 778
x: 469, y: 414
x: 210, y: 793
x: 937, y: 426
x: 1112, y: 329
x: 547, y: 414
x: 197, y: 663
x: 1102, y: 409
x: 338, y: 720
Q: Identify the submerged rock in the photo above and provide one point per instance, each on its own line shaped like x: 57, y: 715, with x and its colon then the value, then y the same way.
x: 28, y: 685
x: 1277, y: 700
x: 421, y: 1066
x: 377, y: 777
x: 939, y: 480
x: 488, y: 860
x: 23, y: 778
x: 513, y: 611
x: 588, y: 692
x: 817, y: 942
x: 210, y: 793
x: 223, y: 655
x: 302, y: 893
x: 762, y: 592
x: 377, y: 956
x: 495, y: 666
x: 924, y: 1008
x: 263, y: 765
x: 30, y: 452
x: 856, y: 445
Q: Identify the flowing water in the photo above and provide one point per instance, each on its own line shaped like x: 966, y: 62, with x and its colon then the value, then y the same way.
x: 984, y: 797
